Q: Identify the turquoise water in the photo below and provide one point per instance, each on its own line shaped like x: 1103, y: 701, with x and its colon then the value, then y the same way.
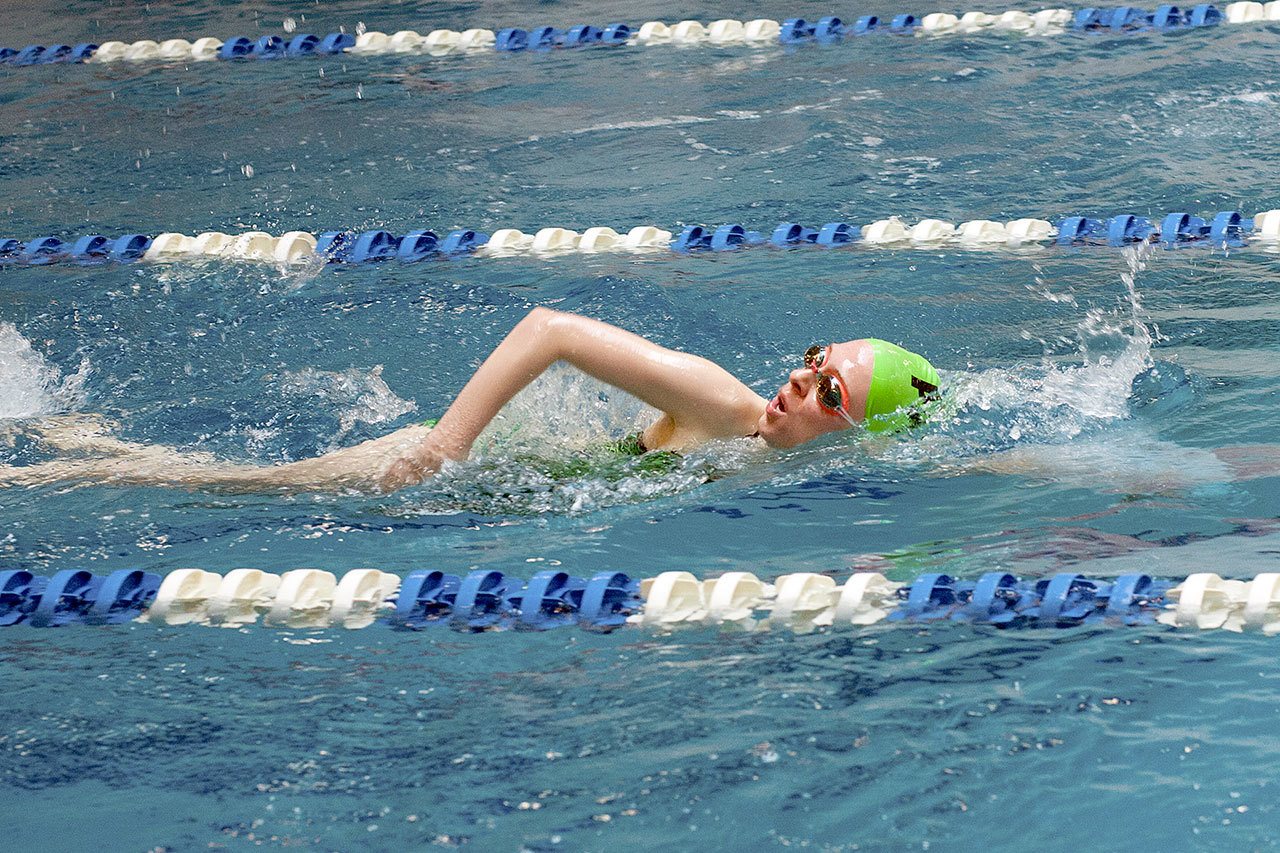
x: 1089, y: 392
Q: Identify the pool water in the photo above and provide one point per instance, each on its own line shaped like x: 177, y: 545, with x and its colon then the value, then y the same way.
x: 1097, y: 401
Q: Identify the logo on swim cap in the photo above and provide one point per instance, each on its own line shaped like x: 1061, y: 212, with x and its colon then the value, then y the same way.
x: 901, y: 381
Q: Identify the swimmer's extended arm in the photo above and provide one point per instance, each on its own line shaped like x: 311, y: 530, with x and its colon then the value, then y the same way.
x: 701, y: 399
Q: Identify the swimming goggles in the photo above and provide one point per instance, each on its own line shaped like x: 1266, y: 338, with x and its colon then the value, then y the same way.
x: 831, y: 392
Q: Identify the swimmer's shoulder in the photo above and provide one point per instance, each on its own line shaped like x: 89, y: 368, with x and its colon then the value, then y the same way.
x: 666, y: 434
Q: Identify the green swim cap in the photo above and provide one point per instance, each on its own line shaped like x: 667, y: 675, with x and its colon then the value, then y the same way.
x: 900, y: 382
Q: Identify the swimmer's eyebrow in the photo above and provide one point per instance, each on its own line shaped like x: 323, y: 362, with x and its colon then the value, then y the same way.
x: 826, y: 357
x: 835, y: 372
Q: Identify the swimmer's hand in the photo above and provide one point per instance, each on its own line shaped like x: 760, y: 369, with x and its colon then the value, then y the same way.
x: 411, y: 468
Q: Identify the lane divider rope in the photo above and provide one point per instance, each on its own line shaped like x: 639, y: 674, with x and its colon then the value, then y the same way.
x: 759, y: 32
x: 1226, y: 229
x: 486, y: 600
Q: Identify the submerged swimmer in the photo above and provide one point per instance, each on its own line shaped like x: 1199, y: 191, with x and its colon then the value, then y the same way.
x: 840, y: 386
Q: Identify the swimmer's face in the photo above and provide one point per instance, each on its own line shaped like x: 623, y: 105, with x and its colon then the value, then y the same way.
x: 796, y: 415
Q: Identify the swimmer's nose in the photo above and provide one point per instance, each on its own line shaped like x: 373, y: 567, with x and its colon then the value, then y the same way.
x: 801, y: 379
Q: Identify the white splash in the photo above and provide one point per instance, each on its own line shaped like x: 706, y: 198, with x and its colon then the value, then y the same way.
x: 548, y: 451
x: 359, y: 396
x: 30, y: 385
x: 564, y: 409
x: 1053, y: 401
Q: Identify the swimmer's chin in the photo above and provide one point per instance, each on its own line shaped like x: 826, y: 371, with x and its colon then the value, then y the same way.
x: 775, y: 438
x: 766, y: 433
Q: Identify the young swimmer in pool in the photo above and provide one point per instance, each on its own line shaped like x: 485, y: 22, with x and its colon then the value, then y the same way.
x: 840, y: 386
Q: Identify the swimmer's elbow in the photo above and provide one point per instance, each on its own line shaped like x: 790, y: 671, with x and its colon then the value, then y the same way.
x: 542, y: 322
x: 552, y: 333
x: 539, y: 325
x: 541, y: 313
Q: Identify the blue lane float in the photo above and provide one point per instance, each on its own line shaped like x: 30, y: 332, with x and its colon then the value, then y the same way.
x: 477, y: 601
x: 1179, y: 230
x: 726, y: 32
x: 75, y: 597
x: 490, y: 600
x: 89, y: 249
x: 1066, y: 599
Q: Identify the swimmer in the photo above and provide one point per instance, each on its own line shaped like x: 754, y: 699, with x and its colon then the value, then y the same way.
x: 865, y: 383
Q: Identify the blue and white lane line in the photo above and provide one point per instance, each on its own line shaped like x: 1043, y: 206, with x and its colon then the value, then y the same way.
x: 486, y: 600
x: 1226, y: 229
x: 759, y: 32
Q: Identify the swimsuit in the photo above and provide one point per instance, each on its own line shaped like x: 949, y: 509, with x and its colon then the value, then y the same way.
x: 631, y: 445
x: 611, y: 460
x: 614, y: 460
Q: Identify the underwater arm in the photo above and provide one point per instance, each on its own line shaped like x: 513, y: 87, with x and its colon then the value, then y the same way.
x: 697, y: 394
x: 369, y: 466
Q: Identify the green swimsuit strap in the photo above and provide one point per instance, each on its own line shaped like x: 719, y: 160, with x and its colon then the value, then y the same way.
x: 631, y: 445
